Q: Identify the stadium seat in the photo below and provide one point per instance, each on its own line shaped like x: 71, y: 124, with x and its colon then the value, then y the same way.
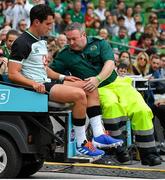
x: 162, y: 26
x: 134, y: 44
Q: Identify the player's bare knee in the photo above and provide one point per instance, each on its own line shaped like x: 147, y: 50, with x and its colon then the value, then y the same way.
x: 81, y: 96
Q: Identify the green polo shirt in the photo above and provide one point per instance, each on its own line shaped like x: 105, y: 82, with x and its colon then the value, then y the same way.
x: 124, y: 41
x: 6, y: 51
x: 76, y: 17
x: 86, y: 63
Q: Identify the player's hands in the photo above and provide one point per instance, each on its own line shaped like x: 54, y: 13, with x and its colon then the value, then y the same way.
x: 39, y: 87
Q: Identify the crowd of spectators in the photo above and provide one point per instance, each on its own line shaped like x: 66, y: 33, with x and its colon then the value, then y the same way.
x: 125, y: 25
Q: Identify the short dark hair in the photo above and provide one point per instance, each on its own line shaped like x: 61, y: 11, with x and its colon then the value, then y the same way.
x: 122, y: 52
x: 12, y: 32
x: 162, y: 55
x: 122, y: 66
x: 120, y: 18
x: 138, y: 23
x: 154, y: 56
x: 40, y: 12
x: 9, y: 1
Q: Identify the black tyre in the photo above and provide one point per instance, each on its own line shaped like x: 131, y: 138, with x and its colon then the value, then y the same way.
x: 30, y: 168
x: 10, y: 158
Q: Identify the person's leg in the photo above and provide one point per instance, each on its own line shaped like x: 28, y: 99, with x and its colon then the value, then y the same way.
x: 141, y: 122
x: 159, y: 111
x: 114, y: 117
x: 142, y: 125
x: 100, y: 139
x: 94, y: 113
x: 93, y: 109
x: 114, y: 114
x: 63, y: 93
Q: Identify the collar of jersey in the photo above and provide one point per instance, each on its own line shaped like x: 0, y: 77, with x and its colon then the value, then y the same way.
x: 32, y: 35
x: 8, y: 51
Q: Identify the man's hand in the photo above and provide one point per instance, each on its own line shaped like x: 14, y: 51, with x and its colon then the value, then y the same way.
x: 91, y: 84
x: 72, y: 78
x: 39, y: 87
x: 159, y: 102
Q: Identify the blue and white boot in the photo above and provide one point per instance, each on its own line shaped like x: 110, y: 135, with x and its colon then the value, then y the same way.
x: 106, y: 141
x: 87, y: 149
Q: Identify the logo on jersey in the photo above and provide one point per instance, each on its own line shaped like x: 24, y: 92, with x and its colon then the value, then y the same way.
x: 93, y: 48
x: 36, y: 50
x: 4, y: 96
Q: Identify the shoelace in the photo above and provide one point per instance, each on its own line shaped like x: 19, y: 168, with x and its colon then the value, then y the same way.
x: 90, y: 146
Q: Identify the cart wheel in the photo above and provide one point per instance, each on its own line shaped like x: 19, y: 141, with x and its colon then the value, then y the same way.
x: 10, y: 158
x: 30, y: 168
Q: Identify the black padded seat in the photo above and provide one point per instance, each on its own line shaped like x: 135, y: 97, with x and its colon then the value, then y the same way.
x: 54, y: 106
